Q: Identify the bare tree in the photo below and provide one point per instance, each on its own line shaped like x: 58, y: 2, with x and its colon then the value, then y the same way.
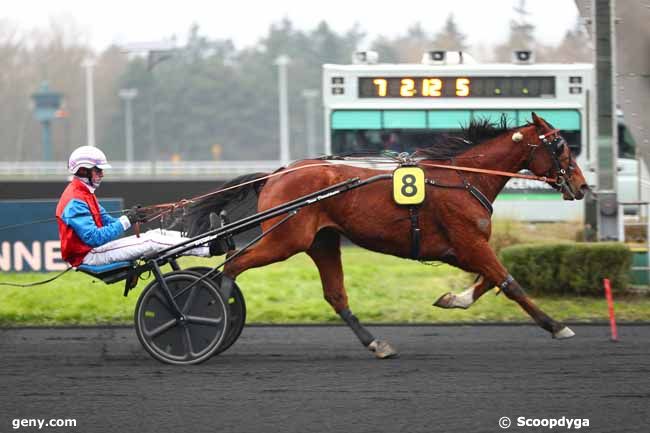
x: 450, y: 37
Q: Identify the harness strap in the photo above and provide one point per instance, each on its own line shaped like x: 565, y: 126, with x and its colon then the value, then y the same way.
x: 476, y: 193
x: 415, y: 232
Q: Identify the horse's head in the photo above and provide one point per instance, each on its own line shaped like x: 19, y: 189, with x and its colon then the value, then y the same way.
x: 551, y: 157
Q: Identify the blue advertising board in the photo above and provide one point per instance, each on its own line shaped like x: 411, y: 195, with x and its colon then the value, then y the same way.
x: 33, y: 245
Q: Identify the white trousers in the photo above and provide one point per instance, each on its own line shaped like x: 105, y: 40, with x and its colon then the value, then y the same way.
x: 132, y: 247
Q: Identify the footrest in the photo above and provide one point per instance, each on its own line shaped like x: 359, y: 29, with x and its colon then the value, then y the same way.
x: 109, y: 273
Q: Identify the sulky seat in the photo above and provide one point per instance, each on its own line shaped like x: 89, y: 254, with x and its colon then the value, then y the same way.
x: 109, y: 273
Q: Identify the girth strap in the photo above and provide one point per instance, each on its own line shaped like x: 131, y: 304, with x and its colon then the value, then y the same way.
x: 415, y: 232
x: 480, y: 197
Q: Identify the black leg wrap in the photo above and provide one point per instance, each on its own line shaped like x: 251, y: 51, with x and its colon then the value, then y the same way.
x: 511, y: 288
x: 226, y: 286
x: 364, y: 336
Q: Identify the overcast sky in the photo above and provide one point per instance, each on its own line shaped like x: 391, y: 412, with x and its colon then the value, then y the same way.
x: 245, y: 21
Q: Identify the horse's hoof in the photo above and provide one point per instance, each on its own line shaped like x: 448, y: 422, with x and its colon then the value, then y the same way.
x: 449, y: 300
x: 564, y: 333
x: 382, y: 350
x: 445, y: 301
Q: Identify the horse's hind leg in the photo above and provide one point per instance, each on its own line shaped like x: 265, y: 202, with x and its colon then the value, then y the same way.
x: 326, y: 254
x: 480, y: 258
x: 466, y: 298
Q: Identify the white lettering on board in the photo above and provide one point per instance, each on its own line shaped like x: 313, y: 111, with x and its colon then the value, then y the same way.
x: 53, y: 260
x: 33, y: 257
x: 5, y: 257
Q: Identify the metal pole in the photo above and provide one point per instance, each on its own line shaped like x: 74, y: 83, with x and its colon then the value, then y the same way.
x: 310, y: 96
x: 128, y: 95
x: 282, y: 62
x: 647, y: 243
x: 153, y: 145
x: 607, y: 129
x: 128, y: 129
x: 89, y: 64
x: 47, y: 140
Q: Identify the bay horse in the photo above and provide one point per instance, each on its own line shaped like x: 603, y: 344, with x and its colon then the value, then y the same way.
x: 454, y: 223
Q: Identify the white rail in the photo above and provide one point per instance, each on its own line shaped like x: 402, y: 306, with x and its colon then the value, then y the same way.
x: 50, y: 170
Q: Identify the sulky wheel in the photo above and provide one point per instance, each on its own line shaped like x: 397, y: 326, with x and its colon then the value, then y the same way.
x: 195, y: 336
x: 236, y: 304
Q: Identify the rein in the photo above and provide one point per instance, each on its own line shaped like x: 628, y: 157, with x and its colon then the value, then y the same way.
x: 172, y: 206
x: 166, y: 208
x: 487, y: 171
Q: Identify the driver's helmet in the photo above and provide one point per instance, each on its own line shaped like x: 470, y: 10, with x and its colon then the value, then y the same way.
x: 88, y: 157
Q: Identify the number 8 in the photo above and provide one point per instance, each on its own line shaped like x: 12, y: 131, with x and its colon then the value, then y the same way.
x: 408, y: 186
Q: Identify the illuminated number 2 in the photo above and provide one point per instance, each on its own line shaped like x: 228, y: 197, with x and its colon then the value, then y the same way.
x: 407, y: 88
x: 462, y: 86
x: 431, y: 87
x: 381, y: 86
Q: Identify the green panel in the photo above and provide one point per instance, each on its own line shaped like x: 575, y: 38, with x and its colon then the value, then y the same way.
x: 522, y: 196
x: 448, y: 119
x: 356, y: 119
x: 494, y: 116
x: 405, y: 119
x: 568, y: 120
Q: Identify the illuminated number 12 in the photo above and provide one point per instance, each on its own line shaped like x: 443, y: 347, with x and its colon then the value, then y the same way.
x: 431, y: 87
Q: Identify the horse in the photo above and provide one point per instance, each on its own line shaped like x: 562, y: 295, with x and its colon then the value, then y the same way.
x: 454, y: 221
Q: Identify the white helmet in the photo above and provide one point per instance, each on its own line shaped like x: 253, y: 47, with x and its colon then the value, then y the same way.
x: 88, y: 157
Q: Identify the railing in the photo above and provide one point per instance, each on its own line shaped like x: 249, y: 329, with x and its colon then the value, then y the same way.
x: 50, y: 170
x: 640, y: 219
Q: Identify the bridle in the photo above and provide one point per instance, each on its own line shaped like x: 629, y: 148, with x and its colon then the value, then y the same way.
x: 556, y: 144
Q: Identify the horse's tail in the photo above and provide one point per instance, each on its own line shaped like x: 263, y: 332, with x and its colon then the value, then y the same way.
x: 239, y: 202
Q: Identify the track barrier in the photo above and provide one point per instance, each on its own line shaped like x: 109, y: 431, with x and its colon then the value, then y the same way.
x: 610, y: 307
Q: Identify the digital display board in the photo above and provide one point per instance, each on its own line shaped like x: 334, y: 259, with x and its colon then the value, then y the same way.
x: 456, y: 87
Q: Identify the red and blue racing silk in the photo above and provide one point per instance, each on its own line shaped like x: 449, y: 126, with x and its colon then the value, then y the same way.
x: 83, y: 223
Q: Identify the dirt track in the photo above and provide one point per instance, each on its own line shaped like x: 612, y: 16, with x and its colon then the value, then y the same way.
x: 319, y: 379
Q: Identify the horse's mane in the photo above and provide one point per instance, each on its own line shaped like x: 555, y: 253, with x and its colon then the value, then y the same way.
x: 444, y: 146
x: 477, y: 132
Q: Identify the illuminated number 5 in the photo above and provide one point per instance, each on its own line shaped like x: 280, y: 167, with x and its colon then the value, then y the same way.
x: 408, y: 87
x: 381, y: 86
x: 462, y: 86
x: 408, y: 186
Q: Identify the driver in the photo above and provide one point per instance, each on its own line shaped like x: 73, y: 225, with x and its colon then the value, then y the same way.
x: 89, y: 235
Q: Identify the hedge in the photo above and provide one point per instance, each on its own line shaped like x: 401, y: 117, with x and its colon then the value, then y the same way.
x: 569, y: 268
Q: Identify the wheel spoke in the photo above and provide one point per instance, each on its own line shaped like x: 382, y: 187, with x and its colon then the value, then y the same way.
x: 198, y: 320
x: 187, y: 341
x: 161, y: 298
x: 160, y: 329
x: 190, y: 300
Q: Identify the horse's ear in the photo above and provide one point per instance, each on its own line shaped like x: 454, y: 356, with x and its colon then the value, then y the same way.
x: 537, y: 121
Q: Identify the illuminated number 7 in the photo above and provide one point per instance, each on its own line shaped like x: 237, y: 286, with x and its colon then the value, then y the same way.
x: 381, y: 86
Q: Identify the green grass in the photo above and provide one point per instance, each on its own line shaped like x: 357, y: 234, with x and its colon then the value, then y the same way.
x: 381, y: 289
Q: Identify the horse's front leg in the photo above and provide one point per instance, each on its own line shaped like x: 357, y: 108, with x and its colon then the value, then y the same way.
x: 479, y: 257
x: 326, y: 254
x: 466, y: 298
